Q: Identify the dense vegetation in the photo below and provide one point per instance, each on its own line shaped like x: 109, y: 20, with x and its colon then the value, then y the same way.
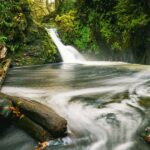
x: 110, y: 29
x: 119, y: 28
x: 26, y: 40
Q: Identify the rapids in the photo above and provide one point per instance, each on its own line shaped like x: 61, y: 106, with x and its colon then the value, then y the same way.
x: 101, y: 104
x: 104, y: 103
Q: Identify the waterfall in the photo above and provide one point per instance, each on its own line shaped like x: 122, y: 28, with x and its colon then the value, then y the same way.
x: 71, y: 55
x: 68, y: 53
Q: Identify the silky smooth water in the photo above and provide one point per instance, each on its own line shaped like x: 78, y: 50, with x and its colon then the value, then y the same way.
x: 68, y: 53
x: 102, y: 104
x: 106, y: 104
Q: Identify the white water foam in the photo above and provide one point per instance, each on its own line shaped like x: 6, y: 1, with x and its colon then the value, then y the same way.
x: 111, y: 127
x: 70, y: 54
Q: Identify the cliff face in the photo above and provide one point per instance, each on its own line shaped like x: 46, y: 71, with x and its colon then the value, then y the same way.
x: 26, y: 39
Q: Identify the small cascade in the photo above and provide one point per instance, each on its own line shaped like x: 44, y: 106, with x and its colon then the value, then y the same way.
x: 68, y: 53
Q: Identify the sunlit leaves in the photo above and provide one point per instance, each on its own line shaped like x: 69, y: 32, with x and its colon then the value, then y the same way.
x: 66, y: 21
x: 116, y: 23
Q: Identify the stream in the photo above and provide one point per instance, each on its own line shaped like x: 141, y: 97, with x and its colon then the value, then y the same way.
x: 106, y: 104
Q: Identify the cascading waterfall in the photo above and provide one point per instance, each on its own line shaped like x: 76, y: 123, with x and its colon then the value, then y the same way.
x: 68, y: 53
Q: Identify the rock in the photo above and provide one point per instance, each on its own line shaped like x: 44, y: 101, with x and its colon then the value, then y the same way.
x: 1, y: 72
x: 147, y: 138
x: 3, y: 51
x: 5, y: 104
x: 40, y: 115
x: 147, y: 134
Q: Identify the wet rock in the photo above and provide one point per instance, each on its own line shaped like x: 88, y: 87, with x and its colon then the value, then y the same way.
x: 3, y: 51
x: 1, y: 72
x: 112, y: 119
x: 5, y: 104
x: 147, y: 134
x: 147, y: 138
x: 4, y: 114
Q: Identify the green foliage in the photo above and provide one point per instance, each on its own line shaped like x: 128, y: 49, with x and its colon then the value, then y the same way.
x: 85, y: 36
x: 73, y: 32
x: 27, y: 41
x: 38, y: 9
x: 67, y: 5
x: 119, y: 24
x: 66, y: 21
x: 3, y: 39
x: 12, y: 23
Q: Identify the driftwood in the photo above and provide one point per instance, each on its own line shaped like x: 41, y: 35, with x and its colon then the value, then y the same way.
x: 40, y: 121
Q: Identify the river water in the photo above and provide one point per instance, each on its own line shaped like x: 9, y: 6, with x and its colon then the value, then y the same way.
x: 106, y: 106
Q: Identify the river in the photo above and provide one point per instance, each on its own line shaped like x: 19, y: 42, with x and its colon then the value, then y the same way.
x: 106, y: 104
x: 102, y: 104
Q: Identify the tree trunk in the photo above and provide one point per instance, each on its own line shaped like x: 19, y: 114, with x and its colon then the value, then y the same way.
x: 40, y: 121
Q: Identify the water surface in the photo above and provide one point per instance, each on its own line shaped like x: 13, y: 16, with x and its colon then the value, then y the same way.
x: 104, y: 104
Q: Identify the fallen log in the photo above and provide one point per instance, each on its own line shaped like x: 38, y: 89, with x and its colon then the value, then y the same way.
x: 40, y: 121
x: 33, y: 129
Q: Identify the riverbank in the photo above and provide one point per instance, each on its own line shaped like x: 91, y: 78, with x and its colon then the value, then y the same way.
x: 4, y: 70
x: 26, y: 39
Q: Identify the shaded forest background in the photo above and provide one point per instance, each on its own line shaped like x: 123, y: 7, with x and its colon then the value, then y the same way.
x: 112, y: 29
x: 23, y: 34
x: 108, y: 29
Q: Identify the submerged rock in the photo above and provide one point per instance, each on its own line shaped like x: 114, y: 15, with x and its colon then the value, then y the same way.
x: 147, y: 134
x: 4, y: 107
x: 145, y: 131
x: 148, y: 138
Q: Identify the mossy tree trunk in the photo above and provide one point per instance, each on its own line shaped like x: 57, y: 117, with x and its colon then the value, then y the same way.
x: 40, y: 121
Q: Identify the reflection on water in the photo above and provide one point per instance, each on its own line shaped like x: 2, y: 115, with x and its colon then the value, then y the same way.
x: 102, y: 104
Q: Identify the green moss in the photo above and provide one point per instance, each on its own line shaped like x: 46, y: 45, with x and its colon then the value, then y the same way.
x: 145, y: 102
x: 101, y: 26
x: 27, y: 42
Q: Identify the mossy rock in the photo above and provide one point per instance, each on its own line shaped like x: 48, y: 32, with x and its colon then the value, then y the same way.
x: 145, y: 102
x: 5, y: 104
